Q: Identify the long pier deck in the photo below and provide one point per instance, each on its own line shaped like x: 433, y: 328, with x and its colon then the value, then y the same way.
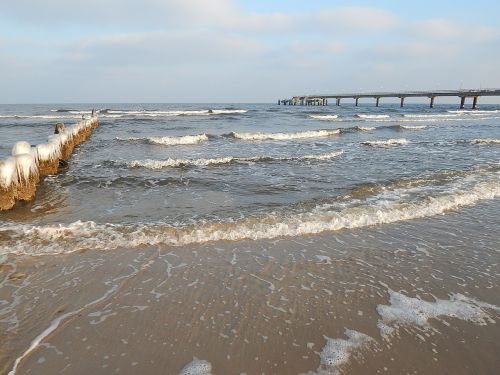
x: 402, y: 95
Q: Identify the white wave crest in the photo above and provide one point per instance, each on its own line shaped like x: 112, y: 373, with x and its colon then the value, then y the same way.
x: 285, y: 136
x: 324, y: 117
x: 159, y: 164
x: 326, y: 156
x: 365, y: 128
x: 437, y: 119
x: 435, y: 115
x: 228, y: 111
x: 486, y: 141
x: 413, y: 127
x: 170, y: 140
x: 366, y: 116
x: 46, y: 117
x: 475, y: 111
x: 145, y: 113
x: 173, y: 163
x: 386, y: 142
x: 51, y: 239
x: 75, y: 112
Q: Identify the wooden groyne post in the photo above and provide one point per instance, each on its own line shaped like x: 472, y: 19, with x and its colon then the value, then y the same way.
x: 20, y: 173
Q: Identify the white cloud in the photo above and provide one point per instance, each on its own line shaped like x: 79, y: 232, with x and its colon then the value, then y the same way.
x: 215, y: 50
x: 415, y: 50
x: 56, y: 14
x: 355, y: 19
x: 438, y: 29
x: 321, y: 48
x: 163, y: 48
x: 218, y: 14
x: 442, y: 30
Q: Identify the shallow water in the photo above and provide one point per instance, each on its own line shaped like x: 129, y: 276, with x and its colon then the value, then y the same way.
x: 169, y: 169
x: 258, y: 239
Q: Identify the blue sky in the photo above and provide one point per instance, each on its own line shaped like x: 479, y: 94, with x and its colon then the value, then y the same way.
x: 241, y: 51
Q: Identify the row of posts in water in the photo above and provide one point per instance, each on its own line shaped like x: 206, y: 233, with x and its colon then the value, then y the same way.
x: 324, y: 101
x: 21, y: 172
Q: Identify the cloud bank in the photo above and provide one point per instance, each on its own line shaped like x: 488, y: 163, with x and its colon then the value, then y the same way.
x: 199, y: 51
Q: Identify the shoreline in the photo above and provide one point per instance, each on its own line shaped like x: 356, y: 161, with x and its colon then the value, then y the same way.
x: 276, y: 300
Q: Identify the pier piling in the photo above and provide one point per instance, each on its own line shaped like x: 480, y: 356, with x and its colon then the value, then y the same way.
x: 402, y: 95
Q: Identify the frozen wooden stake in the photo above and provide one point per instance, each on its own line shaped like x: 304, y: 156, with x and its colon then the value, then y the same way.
x: 20, y: 173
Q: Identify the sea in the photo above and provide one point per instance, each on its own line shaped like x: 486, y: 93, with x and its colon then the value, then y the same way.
x: 256, y: 239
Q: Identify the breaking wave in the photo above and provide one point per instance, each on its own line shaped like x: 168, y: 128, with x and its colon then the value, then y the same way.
x: 284, y: 136
x: 435, y: 115
x: 475, y: 111
x: 386, y: 142
x: 404, y: 204
x: 365, y: 128
x: 173, y: 113
x: 413, y: 127
x: 173, y: 163
x: 486, y: 141
x: 121, y: 113
x: 324, y: 117
x: 170, y: 140
x: 46, y: 117
x: 73, y: 111
x: 365, y: 116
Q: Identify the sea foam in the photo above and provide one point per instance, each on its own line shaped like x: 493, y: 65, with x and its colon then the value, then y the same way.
x: 159, y: 164
x: 486, y: 141
x: 324, y: 117
x: 413, y: 127
x: 197, y: 367
x: 370, y: 117
x: 365, y: 128
x: 416, y: 312
x: 373, y: 210
x: 170, y: 140
x: 434, y: 115
x: 475, y: 111
x: 337, y: 352
x: 172, y: 113
x: 285, y: 136
x: 386, y: 142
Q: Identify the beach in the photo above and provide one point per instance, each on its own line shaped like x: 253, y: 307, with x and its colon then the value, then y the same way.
x: 264, y: 306
x: 254, y: 239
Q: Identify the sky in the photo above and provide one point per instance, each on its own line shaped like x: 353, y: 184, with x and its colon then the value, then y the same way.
x: 60, y: 51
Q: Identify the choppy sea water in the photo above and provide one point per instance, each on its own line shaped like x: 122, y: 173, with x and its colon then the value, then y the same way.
x: 183, y: 174
x: 256, y: 238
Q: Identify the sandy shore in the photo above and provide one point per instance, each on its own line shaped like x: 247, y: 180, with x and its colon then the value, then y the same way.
x: 413, y: 297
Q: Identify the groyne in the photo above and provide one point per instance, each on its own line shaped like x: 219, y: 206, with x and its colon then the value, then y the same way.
x: 21, y: 172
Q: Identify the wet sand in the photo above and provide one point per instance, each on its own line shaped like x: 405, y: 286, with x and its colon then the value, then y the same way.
x: 266, y: 307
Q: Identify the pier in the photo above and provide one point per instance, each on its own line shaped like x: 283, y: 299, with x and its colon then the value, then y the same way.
x: 322, y: 100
